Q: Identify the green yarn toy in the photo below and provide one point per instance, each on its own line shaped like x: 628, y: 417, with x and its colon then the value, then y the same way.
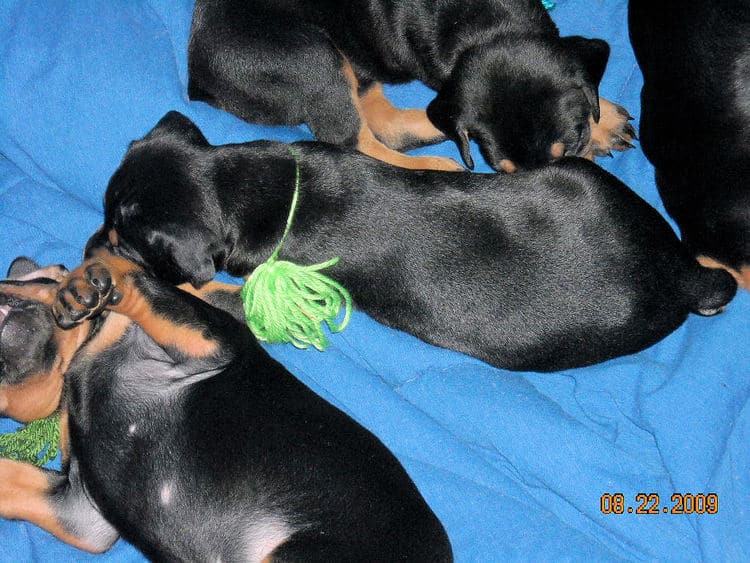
x: 38, y: 442
x: 286, y: 302
x: 548, y: 4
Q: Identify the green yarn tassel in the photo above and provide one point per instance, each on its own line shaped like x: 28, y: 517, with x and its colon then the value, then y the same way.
x: 285, y: 302
x: 38, y: 442
x: 548, y: 4
x: 288, y: 302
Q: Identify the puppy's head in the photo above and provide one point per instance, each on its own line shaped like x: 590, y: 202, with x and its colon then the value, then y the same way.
x: 157, y: 206
x: 34, y: 351
x: 524, y: 104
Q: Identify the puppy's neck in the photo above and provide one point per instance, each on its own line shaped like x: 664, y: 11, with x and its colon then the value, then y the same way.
x: 476, y: 30
x: 256, y: 191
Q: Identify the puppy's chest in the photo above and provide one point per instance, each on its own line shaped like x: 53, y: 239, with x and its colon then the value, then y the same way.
x: 112, y: 391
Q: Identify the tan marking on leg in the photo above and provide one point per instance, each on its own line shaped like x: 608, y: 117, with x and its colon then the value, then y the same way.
x: 397, y: 127
x: 209, y: 288
x: 109, y: 334
x: 742, y: 275
x: 508, y: 166
x: 613, y: 131
x: 24, y: 495
x: 131, y: 304
x: 188, y: 340
x: 369, y: 144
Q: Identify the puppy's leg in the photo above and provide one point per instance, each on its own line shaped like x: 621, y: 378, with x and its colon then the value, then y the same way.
x: 613, y: 131
x: 399, y: 129
x: 55, y: 502
x: 191, y: 331
x: 267, y: 69
x: 368, y: 143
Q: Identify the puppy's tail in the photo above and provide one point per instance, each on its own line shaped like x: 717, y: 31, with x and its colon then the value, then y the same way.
x: 709, y: 290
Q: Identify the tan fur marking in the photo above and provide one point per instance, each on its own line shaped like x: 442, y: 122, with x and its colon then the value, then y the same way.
x: 164, y: 332
x: 371, y: 146
x: 64, y: 435
x: 209, y: 288
x: 38, y: 396
x: 109, y: 334
x: 24, y: 493
x: 43, y: 293
x: 557, y: 150
x: 508, y: 165
x: 395, y: 126
x: 114, y: 238
x: 611, y: 132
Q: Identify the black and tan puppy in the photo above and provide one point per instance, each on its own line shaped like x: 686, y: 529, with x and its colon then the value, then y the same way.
x: 559, y: 267
x: 33, y: 354
x: 695, y: 121
x: 187, y: 439
x: 503, y: 75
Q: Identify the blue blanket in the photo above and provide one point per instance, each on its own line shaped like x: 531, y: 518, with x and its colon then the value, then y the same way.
x: 518, y: 466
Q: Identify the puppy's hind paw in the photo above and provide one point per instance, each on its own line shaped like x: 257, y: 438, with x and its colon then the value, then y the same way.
x: 613, y: 131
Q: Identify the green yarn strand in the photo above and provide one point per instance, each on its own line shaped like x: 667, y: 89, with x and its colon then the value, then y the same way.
x: 38, y: 442
x: 288, y: 303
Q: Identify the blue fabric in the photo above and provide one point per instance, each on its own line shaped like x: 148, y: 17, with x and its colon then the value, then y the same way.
x: 513, y: 463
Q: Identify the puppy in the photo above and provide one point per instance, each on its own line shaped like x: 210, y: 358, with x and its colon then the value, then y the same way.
x: 34, y: 354
x: 503, y: 75
x: 560, y: 267
x: 695, y: 121
x: 187, y: 439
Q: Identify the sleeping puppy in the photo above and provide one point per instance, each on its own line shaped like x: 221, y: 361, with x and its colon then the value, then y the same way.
x: 185, y: 437
x: 33, y: 354
x: 503, y: 75
x: 559, y: 267
x: 695, y: 58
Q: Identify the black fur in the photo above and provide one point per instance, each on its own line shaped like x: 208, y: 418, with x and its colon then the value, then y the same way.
x: 695, y: 120
x: 225, y: 457
x: 502, y: 73
x: 560, y: 267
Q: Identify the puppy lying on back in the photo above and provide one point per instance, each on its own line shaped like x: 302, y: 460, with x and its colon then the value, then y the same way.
x: 185, y: 437
x: 503, y: 75
x: 695, y: 59
x: 551, y: 269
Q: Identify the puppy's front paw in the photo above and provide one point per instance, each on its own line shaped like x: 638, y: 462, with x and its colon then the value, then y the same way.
x: 613, y: 131
x: 85, y: 292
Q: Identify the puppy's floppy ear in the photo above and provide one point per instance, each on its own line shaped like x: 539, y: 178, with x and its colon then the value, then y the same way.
x: 97, y: 241
x: 176, y: 124
x: 445, y: 115
x: 182, y: 254
x: 593, y: 55
x: 22, y: 266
